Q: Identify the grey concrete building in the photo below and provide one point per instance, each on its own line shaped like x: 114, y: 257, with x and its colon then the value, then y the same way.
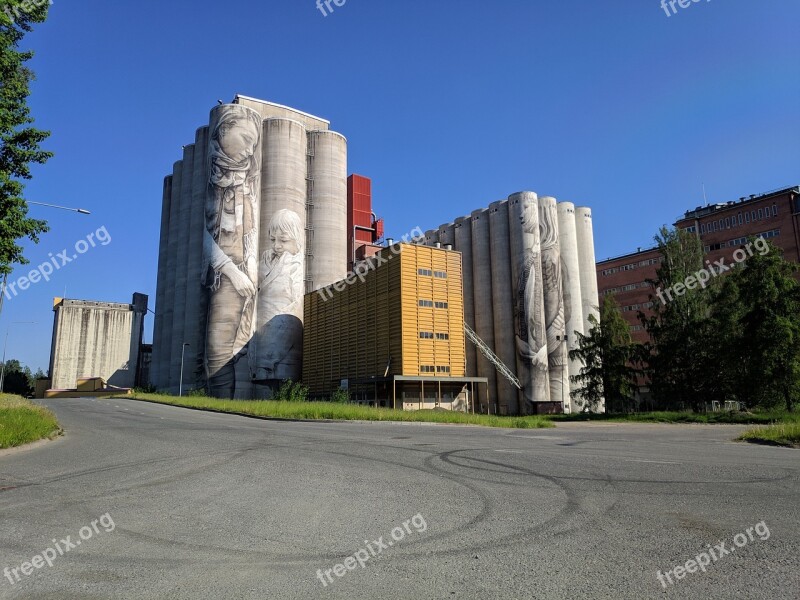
x: 253, y: 217
x: 96, y: 339
x: 529, y: 285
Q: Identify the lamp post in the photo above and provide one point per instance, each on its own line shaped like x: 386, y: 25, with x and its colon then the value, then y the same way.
x: 82, y: 211
x: 563, y: 366
x: 3, y: 369
x: 180, y: 383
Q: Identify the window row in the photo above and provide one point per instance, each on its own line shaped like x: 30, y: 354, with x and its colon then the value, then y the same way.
x: 429, y: 335
x: 741, y: 241
x: 626, y: 288
x: 631, y: 266
x: 739, y: 219
x: 633, y: 307
x: 432, y: 369
x: 430, y: 273
x: 431, y: 304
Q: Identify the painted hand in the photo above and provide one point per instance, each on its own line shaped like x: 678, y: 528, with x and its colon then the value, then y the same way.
x: 241, y: 283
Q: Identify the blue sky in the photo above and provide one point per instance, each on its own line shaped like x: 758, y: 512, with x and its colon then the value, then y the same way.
x: 446, y: 105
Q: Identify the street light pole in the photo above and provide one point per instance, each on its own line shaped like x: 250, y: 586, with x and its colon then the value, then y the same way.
x: 563, y: 366
x: 180, y: 383
x: 82, y: 211
x: 5, y: 345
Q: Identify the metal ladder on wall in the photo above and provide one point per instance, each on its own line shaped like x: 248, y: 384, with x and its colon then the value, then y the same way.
x: 492, y: 357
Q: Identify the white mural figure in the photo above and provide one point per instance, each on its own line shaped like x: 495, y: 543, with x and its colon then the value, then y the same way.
x: 276, y: 349
x: 230, y: 240
x: 553, y: 296
x: 531, y: 336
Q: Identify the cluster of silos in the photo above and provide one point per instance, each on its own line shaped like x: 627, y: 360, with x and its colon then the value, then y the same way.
x: 529, y: 285
x: 253, y: 217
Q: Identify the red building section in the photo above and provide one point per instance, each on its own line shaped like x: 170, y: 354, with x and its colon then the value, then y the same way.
x: 364, y: 228
x: 723, y: 228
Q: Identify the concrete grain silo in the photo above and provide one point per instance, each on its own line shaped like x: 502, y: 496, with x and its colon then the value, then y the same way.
x: 573, y: 303
x: 431, y: 237
x: 181, y: 264
x: 553, y: 298
x: 156, y: 368
x: 283, y: 210
x: 528, y: 290
x: 168, y: 308
x: 447, y: 235
x: 327, y: 260
x: 463, y: 244
x: 503, y: 303
x: 588, y: 270
x: 482, y: 286
x: 194, y: 325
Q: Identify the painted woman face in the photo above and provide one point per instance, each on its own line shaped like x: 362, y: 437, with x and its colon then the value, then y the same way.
x: 238, y: 139
x: 283, y: 242
x: 529, y: 214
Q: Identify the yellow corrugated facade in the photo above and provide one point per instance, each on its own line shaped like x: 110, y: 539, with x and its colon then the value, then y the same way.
x: 403, y: 317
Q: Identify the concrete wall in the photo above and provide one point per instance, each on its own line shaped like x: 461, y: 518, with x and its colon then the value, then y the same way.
x: 96, y: 339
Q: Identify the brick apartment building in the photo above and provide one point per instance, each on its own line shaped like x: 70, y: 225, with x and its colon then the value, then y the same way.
x: 722, y: 229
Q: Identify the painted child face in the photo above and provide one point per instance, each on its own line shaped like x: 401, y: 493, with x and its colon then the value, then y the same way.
x: 238, y: 139
x: 283, y: 242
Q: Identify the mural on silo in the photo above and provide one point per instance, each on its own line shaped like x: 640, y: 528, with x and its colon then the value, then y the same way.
x: 553, y: 295
x: 259, y: 236
x: 276, y: 348
x: 230, y: 241
x: 531, y: 332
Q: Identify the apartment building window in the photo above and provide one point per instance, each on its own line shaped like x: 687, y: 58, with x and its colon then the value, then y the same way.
x: 702, y: 228
x: 444, y: 369
x: 715, y: 226
x: 753, y: 215
x: 440, y: 304
x: 427, y: 369
x: 426, y: 303
x: 760, y: 213
x: 727, y: 222
x: 425, y: 272
x: 426, y: 335
x: 442, y: 336
x: 774, y: 210
x: 747, y: 217
x: 440, y: 274
x: 740, y: 218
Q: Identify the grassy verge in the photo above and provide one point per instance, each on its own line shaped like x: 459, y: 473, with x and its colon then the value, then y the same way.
x: 781, y: 434
x: 735, y: 418
x: 340, y: 412
x: 22, y: 421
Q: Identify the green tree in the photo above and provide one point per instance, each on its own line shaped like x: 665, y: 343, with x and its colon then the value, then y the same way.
x: 17, y: 379
x: 680, y: 362
x: 759, y: 314
x: 19, y: 141
x: 607, y: 353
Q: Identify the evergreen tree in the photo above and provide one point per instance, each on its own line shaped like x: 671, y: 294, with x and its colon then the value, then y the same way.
x: 606, y: 353
x: 19, y: 141
x: 761, y: 308
x: 681, y: 364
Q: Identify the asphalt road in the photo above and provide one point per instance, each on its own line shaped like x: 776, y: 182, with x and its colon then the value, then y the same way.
x: 217, y: 506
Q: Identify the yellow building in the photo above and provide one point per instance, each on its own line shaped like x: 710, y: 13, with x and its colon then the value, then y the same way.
x: 392, y: 333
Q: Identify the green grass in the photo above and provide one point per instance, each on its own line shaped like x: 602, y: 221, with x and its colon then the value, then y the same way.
x: 781, y: 434
x: 340, y: 412
x: 735, y: 418
x: 22, y: 422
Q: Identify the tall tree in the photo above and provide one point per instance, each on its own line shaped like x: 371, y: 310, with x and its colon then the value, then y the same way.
x: 19, y: 141
x: 606, y: 353
x: 679, y: 358
x: 762, y: 358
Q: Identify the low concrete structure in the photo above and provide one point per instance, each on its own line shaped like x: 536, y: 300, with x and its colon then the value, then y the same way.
x: 96, y: 339
x: 88, y: 387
